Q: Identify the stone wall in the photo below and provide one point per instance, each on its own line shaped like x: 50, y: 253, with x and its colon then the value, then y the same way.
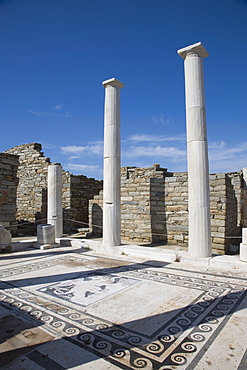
x: 77, y: 190
x: 32, y: 189
x: 154, y: 207
x: 8, y: 191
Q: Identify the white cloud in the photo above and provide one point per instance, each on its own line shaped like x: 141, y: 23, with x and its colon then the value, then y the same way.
x: 161, y: 119
x: 156, y: 151
x: 152, y: 138
x: 217, y: 144
x: 66, y: 115
x: 59, y: 106
x: 80, y: 167
x: 225, y: 159
x: 78, y: 150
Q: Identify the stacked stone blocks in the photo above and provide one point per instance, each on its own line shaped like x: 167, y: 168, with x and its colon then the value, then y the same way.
x: 8, y: 190
x: 154, y: 207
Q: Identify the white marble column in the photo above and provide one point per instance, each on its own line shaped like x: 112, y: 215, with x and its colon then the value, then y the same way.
x: 197, y: 152
x: 243, y: 246
x: 54, y: 198
x: 245, y: 177
x: 112, y: 177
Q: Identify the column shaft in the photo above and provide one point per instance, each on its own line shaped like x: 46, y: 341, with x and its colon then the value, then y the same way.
x: 112, y: 179
x: 197, y: 152
x: 54, y: 197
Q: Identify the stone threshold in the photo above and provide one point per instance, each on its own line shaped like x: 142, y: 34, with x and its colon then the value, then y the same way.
x: 143, y: 253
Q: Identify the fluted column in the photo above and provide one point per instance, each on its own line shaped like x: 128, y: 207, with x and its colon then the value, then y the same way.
x: 112, y: 177
x: 197, y: 152
x: 54, y: 198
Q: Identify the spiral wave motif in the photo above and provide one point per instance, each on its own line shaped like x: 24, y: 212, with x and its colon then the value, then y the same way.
x: 101, y: 327
x: 134, y: 339
x: 120, y: 353
x: 191, y: 314
x: 63, y: 311
x: 174, y: 329
x: 9, y: 300
x: 142, y: 363
x: 75, y: 316
x: 204, y: 327
x: 183, y: 322
x: 188, y: 347
x: 211, y: 320
x: 86, y: 338
x: 46, y: 318
x: 178, y: 358
x: 102, y: 345
x: 72, y: 331
x: 155, y: 347
x: 58, y: 324
x: 166, y: 338
x: 26, y: 308
x: 218, y: 313
x: 17, y: 304
x: 87, y: 321
x: 213, y: 294
x: 24, y: 295
x: 222, y: 307
x: 36, y: 313
x: 118, y: 334
x: 205, y: 303
x: 197, y: 309
x: 197, y: 337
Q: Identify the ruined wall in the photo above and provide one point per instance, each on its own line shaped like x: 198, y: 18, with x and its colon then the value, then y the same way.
x: 77, y: 190
x: 154, y: 207
x: 32, y: 189
x: 8, y: 191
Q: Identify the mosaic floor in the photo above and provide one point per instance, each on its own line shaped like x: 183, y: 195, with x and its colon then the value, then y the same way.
x: 72, y: 310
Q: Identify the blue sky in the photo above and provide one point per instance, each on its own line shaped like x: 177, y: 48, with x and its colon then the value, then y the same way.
x: 56, y: 53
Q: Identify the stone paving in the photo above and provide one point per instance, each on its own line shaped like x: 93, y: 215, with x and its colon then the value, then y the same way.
x: 75, y: 308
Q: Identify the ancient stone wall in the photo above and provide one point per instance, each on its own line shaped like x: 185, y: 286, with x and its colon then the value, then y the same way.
x: 154, y: 207
x: 8, y: 191
x: 32, y: 189
x: 77, y: 190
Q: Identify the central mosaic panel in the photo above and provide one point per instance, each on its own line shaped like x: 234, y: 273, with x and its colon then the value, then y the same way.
x: 88, y: 288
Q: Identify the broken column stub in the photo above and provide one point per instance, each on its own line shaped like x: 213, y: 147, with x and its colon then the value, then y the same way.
x: 46, y: 236
x: 112, y: 175
x: 54, y: 198
x: 197, y: 152
x: 243, y: 245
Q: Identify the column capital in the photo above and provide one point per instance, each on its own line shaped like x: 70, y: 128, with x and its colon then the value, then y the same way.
x: 113, y: 82
x: 197, y: 48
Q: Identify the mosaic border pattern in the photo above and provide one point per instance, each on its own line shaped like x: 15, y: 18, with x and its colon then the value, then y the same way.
x: 175, y: 344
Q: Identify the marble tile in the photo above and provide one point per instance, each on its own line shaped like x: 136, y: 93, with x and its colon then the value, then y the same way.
x: 138, y: 316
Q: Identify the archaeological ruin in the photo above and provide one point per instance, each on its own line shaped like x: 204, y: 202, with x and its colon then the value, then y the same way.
x: 199, y: 211
x: 154, y: 201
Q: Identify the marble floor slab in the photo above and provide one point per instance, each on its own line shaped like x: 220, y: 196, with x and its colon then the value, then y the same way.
x: 75, y: 310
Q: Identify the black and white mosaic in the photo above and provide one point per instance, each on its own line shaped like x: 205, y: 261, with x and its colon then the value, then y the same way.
x: 178, y: 342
